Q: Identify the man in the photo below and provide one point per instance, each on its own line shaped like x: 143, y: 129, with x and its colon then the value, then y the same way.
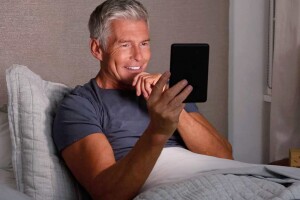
x: 111, y: 131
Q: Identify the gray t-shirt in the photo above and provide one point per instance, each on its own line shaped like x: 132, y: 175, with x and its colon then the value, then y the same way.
x: 119, y: 114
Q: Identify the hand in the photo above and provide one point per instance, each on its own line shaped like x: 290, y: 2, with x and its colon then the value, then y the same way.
x: 144, y: 82
x: 165, y: 106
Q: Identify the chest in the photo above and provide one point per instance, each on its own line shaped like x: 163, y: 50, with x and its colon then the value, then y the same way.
x: 127, y: 116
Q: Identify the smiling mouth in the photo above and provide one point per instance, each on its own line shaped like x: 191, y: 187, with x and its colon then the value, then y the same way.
x: 134, y: 68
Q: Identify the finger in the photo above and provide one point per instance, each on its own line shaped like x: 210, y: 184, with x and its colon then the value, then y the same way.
x: 148, y: 88
x: 179, y: 86
x: 177, y: 110
x: 137, y: 77
x: 138, y: 87
x: 172, y: 92
x: 166, y: 87
x: 143, y: 90
x: 178, y: 100
x: 158, y: 87
x: 135, y: 80
x: 150, y: 82
x: 155, y: 79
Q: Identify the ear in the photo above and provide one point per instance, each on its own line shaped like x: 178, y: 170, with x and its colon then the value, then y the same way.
x: 96, y: 49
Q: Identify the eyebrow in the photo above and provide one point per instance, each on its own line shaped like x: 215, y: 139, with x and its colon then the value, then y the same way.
x: 124, y: 41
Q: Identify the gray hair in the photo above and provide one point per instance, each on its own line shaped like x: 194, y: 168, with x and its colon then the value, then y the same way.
x: 101, y: 17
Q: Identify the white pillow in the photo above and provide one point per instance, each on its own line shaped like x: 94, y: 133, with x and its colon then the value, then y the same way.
x: 5, y: 142
x: 39, y: 171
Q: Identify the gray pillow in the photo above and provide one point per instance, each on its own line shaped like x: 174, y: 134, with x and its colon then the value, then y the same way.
x: 8, y: 193
x: 5, y: 143
x: 39, y: 172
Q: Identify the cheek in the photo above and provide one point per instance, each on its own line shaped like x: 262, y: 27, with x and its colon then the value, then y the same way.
x: 119, y: 57
x: 147, y: 55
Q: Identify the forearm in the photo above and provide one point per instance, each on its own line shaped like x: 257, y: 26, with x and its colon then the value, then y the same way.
x: 124, y: 179
x: 201, y: 137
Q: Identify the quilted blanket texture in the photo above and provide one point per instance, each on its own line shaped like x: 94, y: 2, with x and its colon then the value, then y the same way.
x: 254, y: 183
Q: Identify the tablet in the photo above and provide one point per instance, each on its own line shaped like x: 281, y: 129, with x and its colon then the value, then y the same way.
x: 190, y: 61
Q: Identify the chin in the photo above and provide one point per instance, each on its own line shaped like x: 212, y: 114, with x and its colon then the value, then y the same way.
x: 128, y: 80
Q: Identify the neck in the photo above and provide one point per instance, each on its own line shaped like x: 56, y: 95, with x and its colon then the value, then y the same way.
x: 105, y: 81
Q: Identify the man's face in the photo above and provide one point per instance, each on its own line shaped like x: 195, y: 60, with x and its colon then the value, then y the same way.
x: 127, y: 53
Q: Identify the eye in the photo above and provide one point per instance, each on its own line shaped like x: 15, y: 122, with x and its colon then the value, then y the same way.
x: 125, y: 44
x: 146, y: 43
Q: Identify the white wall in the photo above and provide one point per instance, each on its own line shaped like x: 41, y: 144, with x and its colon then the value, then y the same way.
x: 248, y: 54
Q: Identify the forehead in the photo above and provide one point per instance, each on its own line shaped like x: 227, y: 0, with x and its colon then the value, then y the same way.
x: 125, y: 28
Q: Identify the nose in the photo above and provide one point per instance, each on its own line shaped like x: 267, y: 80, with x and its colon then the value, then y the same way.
x: 137, y: 53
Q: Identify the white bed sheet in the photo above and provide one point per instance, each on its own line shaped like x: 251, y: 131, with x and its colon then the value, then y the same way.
x: 176, y: 164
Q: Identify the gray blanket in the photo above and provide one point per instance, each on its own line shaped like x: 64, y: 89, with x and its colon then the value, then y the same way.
x: 257, y: 182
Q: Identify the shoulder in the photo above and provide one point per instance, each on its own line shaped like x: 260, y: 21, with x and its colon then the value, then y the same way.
x: 78, y: 115
x: 87, y: 91
x: 82, y: 97
x: 81, y: 105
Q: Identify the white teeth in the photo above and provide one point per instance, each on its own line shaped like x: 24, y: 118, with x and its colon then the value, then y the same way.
x: 134, y: 67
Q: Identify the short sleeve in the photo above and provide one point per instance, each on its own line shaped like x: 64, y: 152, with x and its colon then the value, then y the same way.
x: 75, y: 119
x: 191, y: 107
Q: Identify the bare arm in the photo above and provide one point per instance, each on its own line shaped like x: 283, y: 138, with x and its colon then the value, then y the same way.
x: 92, y: 162
x: 198, y: 134
x: 201, y: 137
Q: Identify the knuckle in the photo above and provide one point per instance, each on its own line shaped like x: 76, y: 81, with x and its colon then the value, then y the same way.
x: 155, y: 87
x: 176, y: 103
x: 168, y: 94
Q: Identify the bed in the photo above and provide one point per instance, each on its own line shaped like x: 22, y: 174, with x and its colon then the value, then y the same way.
x: 32, y: 169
